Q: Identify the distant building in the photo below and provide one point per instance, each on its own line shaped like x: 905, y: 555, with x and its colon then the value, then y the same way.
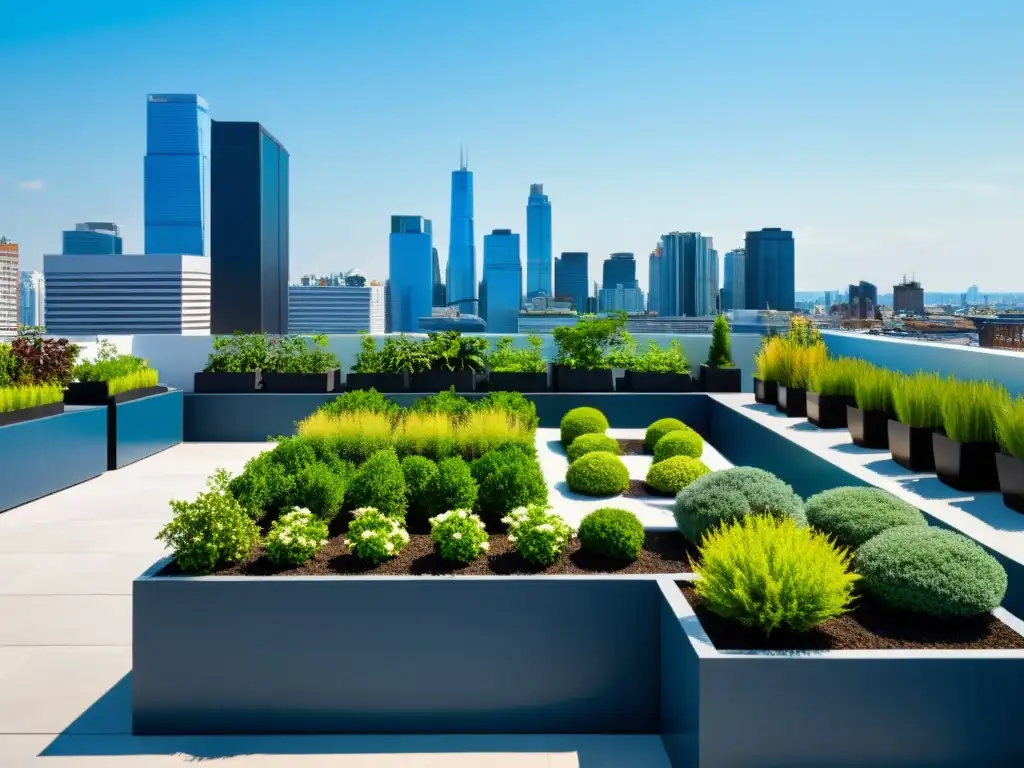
x: 770, y: 270
x: 538, y: 243
x: 545, y: 321
x: 10, y: 285
x: 688, y: 284
x: 92, y: 238
x: 33, y: 299
x: 571, y: 278
x: 619, y: 269
x: 503, y: 281
x: 410, y: 255
x: 621, y: 299
x: 453, y: 322
x: 654, y: 280
x: 863, y: 299
x: 461, y: 280
x: 438, y: 294
x: 908, y: 297
x: 335, y: 309
x: 734, y: 292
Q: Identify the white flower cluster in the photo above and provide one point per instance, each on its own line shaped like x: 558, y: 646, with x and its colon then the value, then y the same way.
x: 296, y: 537
x: 538, y: 534
x: 374, y: 536
x: 460, y: 535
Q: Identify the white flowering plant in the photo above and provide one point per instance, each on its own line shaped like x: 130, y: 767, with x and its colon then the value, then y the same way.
x: 538, y: 534
x: 374, y: 536
x: 296, y: 537
x: 460, y: 535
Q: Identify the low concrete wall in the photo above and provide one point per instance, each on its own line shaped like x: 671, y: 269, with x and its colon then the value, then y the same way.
x: 140, y: 428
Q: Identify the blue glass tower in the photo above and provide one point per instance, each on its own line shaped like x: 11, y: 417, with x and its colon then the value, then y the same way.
x: 619, y: 269
x: 92, y: 239
x: 571, y: 278
x: 503, y: 281
x: 410, y: 267
x: 538, y: 243
x: 771, y: 270
x: 177, y: 174
x: 461, y: 282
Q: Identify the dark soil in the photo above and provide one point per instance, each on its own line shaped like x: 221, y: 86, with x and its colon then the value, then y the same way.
x: 663, y: 552
x: 638, y: 489
x: 869, y: 626
x: 631, y: 447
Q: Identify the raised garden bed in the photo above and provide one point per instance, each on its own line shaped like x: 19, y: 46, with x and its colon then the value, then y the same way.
x: 583, y: 380
x: 637, y: 381
x: 227, y: 382
x: 30, y: 414
x: 439, y: 380
x: 382, y: 382
x: 965, y: 466
x: 517, y: 382
x: 97, y: 393
x: 301, y: 382
x: 715, y: 379
x: 911, y: 447
x: 140, y: 427
x: 827, y: 411
x: 868, y: 429
x: 1011, y: 481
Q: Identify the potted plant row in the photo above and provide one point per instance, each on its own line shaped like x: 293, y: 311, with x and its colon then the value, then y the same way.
x: 259, y: 362
x: 832, y: 391
x: 966, y: 447
x: 518, y: 370
x: 868, y: 420
x: 33, y: 374
x: 586, y: 353
x: 768, y: 369
x: 659, y: 370
x: 798, y: 365
x: 719, y: 373
x: 111, y: 377
x: 439, y: 362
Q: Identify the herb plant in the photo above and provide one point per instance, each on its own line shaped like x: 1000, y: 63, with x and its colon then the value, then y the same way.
x: 720, y: 353
x: 837, y: 377
x: 451, y: 351
x: 238, y: 353
x: 374, y: 536
x: 539, y: 535
x: 507, y: 359
x: 460, y: 535
x: 291, y: 354
x: 1010, y: 427
x: 969, y: 410
x: 107, y: 365
x: 296, y: 538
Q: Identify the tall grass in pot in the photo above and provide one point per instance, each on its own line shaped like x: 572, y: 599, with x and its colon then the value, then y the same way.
x: 1010, y: 462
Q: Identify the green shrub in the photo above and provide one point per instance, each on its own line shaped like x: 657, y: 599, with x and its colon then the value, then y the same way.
x: 379, y: 483
x: 296, y: 537
x: 918, y: 400
x: 508, y: 478
x: 263, y: 486
x: 582, y: 421
x: 874, y: 389
x: 654, y: 359
x: 682, y: 442
x: 659, y: 429
x: 671, y: 475
x: 855, y: 514
x: 598, y: 474
x: 837, y: 377
x: 720, y: 352
x: 451, y: 487
x: 507, y: 359
x: 539, y: 535
x: 320, y: 490
x: 1010, y: 427
x: 731, y: 494
x: 375, y: 536
x: 419, y: 473
x: 460, y: 535
x: 514, y: 404
x: 590, y: 443
x: 352, y: 435
x: 969, y: 410
x: 362, y: 401
x: 447, y: 403
x: 293, y: 453
x: 612, y: 533
x: 931, y: 571
x: 770, y: 574
x: 212, y: 530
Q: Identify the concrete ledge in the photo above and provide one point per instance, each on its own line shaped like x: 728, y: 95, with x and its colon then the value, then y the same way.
x: 140, y: 428
x: 46, y: 455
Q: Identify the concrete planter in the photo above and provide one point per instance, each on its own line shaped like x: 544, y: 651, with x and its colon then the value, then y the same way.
x: 714, y: 379
x: 327, y: 381
x: 766, y: 392
x: 868, y: 429
x: 517, y: 382
x: 436, y: 380
x: 204, y: 381
x: 583, y: 379
x: 382, y: 382
x: 791, y: 402
x: 30, y: 414
x: 827, y: 411
x: 1011, y: 481
x: 97, y: 393
x: 911, y: 447
x: 636, y: 381
x: 141, y: 427
x: 965, y: 466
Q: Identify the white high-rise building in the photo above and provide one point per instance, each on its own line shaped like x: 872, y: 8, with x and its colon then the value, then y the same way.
x: 33, y: 298
x: 335, y: 309
x: 10, y: 280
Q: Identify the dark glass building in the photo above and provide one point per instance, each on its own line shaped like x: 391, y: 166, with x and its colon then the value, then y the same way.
x: 770, y: 270
x: 863, y: 299
x: 571, y: 278
x: 249, y: 232
x: 619, y: 269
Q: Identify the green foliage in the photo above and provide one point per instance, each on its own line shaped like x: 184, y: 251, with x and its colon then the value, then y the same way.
x: 587, y: 344
x: 375, y: 536
x: 589, y: 443
x: 720, y: 352
x: 263, y: 486
x: 506, y: 359
x: 140, y: 379
x: 768, y: 361
x: 514, y: 404
x: 29, y: 396
x: 42, y: 361
x: 451, y: 487
x: 294, y: 453
x: 238, y: 353
x: 539, y: 535
x: 451, y: 351
x: 918, y: 400
x: 772, y: 574
x: 419, y: 472
x: 379, y: 483
x: 292, y: 354
x: 8, y: 366
x: 932, y: 571
x: 654, y: 359
x: 353, y: 435
x: 800, y: 364
x: 362, y: 400
x: 969, y: 410
x: 598, y: 474
x: 837, y: 377
x: 1010, y: 427
x: 210, y: 531
x: 673, y: 474
x: 582, y: 421
x: 295, y: 538
x: 446, y: 403
x: 612, y: 533
x: 108, y: 365
x: 659, y: 429
x: 874, y: 389
x: 320, y: 489
x: 803, y: 332
x: 398, y: 355
x: 460, y: 535
x: 852, y: 515
x: 731, y: 494
x: 508, y: 478
x: 681, y: 442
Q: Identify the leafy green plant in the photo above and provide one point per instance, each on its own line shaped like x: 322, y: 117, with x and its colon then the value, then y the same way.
x: 771, y: 574
x: 451, y: 487
x: 589, y: 443
x: 210, y: 531
x: 617, y: 534
x: 44, y: 361
x: 654, y: 359
x: 852, y: 515
x: 110, y: 365
x: 375, y: 536
x: 720, y: 352
x: 587, y: 344
x: 874, y: 389
x: 507, y: 359
x: 425, y: 434
x: 918, y: 400
x: 379, y: 483
x: 670, y: 476
x: 398, y: 355
x: 486, y: 429
x: 140, y: 379
x: 768, y: 360
x: 447, y: 403
x: 598, y: 474
x: 8, y: 366
x: 514, y: 404
x: 460, y: 535
x: 292, y: 354
x: 451, y: 351
x: 368, y: 358
x: 799, y: 365
x: 419, y: 473
x: 263, y: 486
x: 932, y: 571
x: 681, y: 442
x: 1009, y: 427
x: 29, y: 396
x: 582, y: 421
x: 362, y: 400
x: 539, y: 535
x: 238, y: 353
x: 320, y: 489
x: 507, y: 478
x: 296, y: 538
x: 659, y: 429
x: 837, y: 377
x: 969, y: 410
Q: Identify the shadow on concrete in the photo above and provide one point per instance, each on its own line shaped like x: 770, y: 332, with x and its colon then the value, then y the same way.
x: 769, y: 410
x: 562, y: 489
x: 890, y: 468
x: 555, y: 446
x: 805, y: 426
x: 989, y: 508
x: 930, y: 487
x: 855, y: 450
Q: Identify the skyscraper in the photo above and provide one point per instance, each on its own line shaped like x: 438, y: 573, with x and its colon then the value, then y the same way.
x: 503, y: 281
x: 619, y: 269
x: 670, y: 276
x: 735, y: 293
x: 688, y: 284
x: 863, y: 301
x: 33, y: 298
x: 771, y: 270
x: 713, y: 277
x: 571, y: 278
x: 654, y: 280
x: 177, y: 174
x: 439, y: 298
x: 10, y: 284
x: 410, y: 256
x: 461, y: 280
x: 92, y: 238
x: 538, y: 243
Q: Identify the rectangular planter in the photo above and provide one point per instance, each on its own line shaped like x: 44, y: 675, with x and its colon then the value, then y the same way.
x: 720, y: 379
x: 766, y: 392
x: 911, y: 447
x: 30, y: 414
x: 48, y: 454
x: 301, y: 382
x: 97, y: 393
x: 869, y: 429
x: 965, y: 466
x: 583, y: 380
x: 517, y: 382
x: 382, y: 382
x: 365, y: 655
x: 437, y: 381
x: 637, y: 381
x: 827, y: 411
x: 227, y: 382
x: 142, y: 427
x: 792, y: 402
x: 1011, y: 481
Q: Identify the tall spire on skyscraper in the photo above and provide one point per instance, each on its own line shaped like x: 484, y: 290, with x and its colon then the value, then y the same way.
x: 463, y: 158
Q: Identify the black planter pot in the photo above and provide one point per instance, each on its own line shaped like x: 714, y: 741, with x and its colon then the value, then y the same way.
x: 966, y: 466
x: 792, y: 402
x: 583, y: 380
x: 1011, y: 481
x: 227, y: 382
x: 869, y: 429
x: 382, y: 382
x: 720, y: 379
x: 30, y: 414
x: 766, y: 391
x: 827, y: 411
x: 96, y: 393
x: 911, y: 447
x: 636, y: 381
x: 518, y: 382
x: 434, y: 381
x: 301, y: 382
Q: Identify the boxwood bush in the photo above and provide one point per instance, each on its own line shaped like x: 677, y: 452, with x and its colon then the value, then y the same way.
x: 320, y: 490
x: 617, y: 534
x: 582, y: 421
x: 670, y: 476
x: 451, y: 487
x: 379, y: 483
x: 262, y: 487
x: 931, y: 571
x: 853, y: 515
x: 681, y: 442
x: 508, y: 478
x: 598, y: 474
x: 659, y: 429
x: 585, y: 444
x: 419, y: 472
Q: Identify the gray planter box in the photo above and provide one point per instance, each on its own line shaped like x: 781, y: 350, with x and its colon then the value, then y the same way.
x: 835, y: 708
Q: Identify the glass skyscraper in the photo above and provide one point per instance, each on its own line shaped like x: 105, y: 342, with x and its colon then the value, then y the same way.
x: 177, y: 174
x: 571, y: 278
x: 619, y: 269
x: 503, y: 281
x: 538, y: 243
x: 410, y: 257
x: 734, y: 295
x: 461, y: 282
x: 93, y: 238
x: 771, y: 270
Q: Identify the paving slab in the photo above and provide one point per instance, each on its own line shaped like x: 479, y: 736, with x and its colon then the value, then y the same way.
x: 65, y: 620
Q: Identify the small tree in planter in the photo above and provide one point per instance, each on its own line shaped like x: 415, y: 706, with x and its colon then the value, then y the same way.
x: 719, y: 373
x: 582, y: 363
x: 518, y: 370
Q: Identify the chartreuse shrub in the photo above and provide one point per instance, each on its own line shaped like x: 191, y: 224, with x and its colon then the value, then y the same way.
x: 590, y: 443
x: 932, y: 571
x: 731, y: 494
x: 1010, y: 427
x: 508, y: 478
x: 140, y: 379
x: 488, y: 428
x: 681, y: 442
x: 379, y: 483
x: 538, y: 534
x: 446, y: 403
x: 296, y: 537
x: 362, y: 401
x: 670, y: 476
x: 460, y: 535
x: 659, y: 429
x: 836, y: 377
x: 582, y: 421
x: 613, y: 533
x: 873, y: 389
x: 768, y: 360
x: 853, y: 515
x: 211, y: 531
x: 375, y: 536
x: 355, y: 435
x: 769, y: 574
x: 598, y: 474
x: 451, y: 487
x: 512, y: 403
x: 918, y: 400
x: 29, y: 396
x: 969, y: 410
x: 800, y: 364
x: 419, y: 473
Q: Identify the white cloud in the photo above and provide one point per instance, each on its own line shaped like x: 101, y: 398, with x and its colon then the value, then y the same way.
x: 31, y: 184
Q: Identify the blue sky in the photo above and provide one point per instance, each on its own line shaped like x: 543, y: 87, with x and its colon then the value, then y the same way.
x: 888, y: 135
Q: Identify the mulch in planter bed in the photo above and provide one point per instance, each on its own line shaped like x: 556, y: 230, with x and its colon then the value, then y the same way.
x: 638, y: 489
x: 631, y: 446
x: 869, y: 626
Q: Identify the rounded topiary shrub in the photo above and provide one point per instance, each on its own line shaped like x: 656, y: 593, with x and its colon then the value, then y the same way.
x: 681, y: 442
x: 670, y: 476
x: 613, y: 533
x: 582, y: 421
x: 379, y: 483
x: 731, y: 494
x: 590, y: 443
x: 320, y: 490
x: 932, y: 571
x: 451, y: 487
x: 508, y: 479
x: 598, y: 474
x: 419, y: 472
x: 659, y: 429
x: 853, y: 515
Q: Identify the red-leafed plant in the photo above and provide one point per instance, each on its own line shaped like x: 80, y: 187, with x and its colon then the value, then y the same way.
x: 44, y: 361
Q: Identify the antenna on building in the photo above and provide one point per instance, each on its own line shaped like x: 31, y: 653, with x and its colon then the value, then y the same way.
x: 463, y: 158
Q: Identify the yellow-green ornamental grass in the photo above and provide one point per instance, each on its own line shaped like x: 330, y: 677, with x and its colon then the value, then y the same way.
x: 768, y: 360
x: 30, y: 396
x: 140, y: 379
